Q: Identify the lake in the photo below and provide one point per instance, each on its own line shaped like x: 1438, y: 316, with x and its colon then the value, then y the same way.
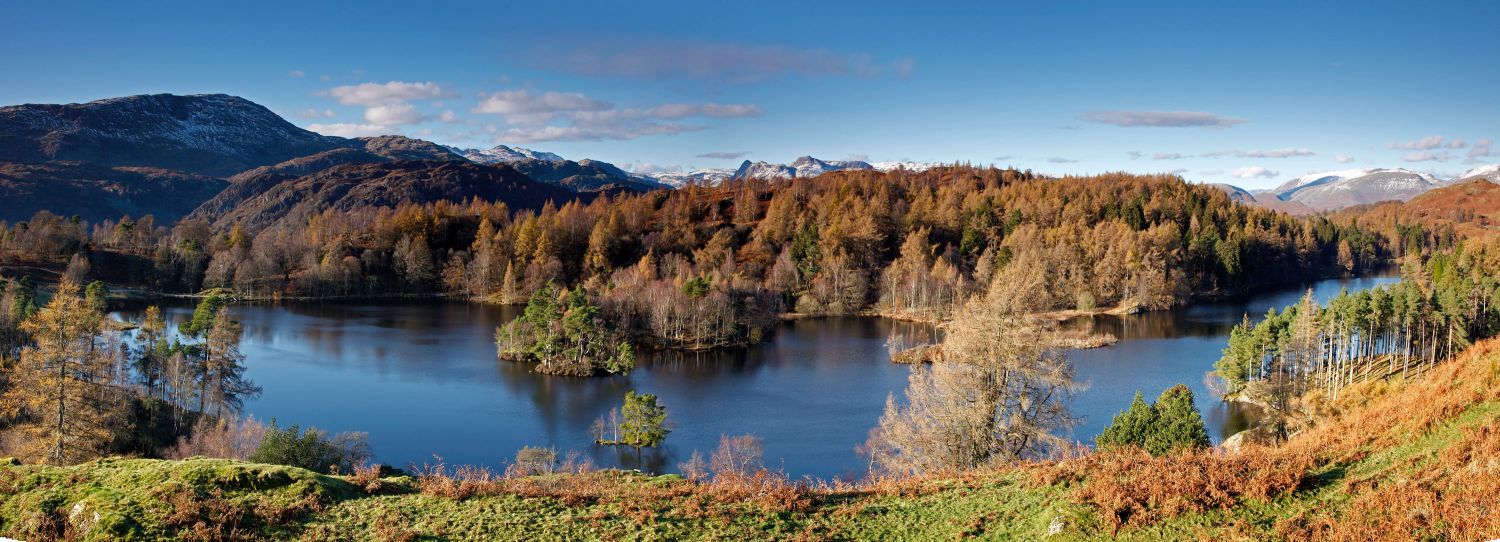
x: 422, y: 379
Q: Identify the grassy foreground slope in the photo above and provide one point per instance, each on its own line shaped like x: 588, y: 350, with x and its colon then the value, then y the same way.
x: 1389, y: 461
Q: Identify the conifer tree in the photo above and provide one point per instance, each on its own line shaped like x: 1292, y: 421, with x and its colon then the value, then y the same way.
x: 60, y: 393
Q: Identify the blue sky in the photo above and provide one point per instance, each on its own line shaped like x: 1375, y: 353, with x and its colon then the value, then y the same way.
x: 1247, y: 92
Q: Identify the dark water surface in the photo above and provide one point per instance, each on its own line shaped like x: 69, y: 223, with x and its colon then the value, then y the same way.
x: 422, y: 379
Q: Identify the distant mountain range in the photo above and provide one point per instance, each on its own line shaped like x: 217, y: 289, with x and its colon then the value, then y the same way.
x: 224, y: 158
x: 1331, y: 190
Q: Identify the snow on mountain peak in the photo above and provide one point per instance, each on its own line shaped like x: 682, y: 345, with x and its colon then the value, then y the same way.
x: 502, y: 154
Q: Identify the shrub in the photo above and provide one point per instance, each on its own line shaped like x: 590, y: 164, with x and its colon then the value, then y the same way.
x: 312, y: 449
x: 1172, y: 422
x: 532, y: 460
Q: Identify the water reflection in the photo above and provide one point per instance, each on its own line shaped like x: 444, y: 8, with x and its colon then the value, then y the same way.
x: 423, y: 380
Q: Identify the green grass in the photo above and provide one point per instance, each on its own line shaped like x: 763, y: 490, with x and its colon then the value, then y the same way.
x: 142, y: 499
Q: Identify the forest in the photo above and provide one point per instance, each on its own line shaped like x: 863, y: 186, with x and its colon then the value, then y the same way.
x: 1309, y: 353
x: 706, y: 267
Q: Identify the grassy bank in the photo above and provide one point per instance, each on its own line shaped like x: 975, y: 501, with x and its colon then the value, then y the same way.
x: 1387, y: 462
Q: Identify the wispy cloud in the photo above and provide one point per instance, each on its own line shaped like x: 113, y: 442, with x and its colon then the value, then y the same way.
x: 1061, y: 160
x: 1134, y: 154
x: 344, y: 129
x: 721, y: 155
x: 1161, y: 119
x: 1481, y: 149
x: 571, y: 116
x: 388, y: 93
x: 296, y: 74
x: 313, y: 113
x: 1251, y: 172
x: 733, y: 63
x: 1287, y: 152
x: 1344, y: 158
x: 1169, y: 156
x: 1429, y: 143
x: 1427, y: 156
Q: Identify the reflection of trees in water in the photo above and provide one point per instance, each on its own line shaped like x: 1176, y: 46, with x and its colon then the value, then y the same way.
x: 906, y: 335
x: 659, y: 459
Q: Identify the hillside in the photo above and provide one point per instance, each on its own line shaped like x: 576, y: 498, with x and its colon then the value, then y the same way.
x: 1471, y: 207
x: 358, y: 186
x: 1391, y: 462
x: 95, y: 193
x: 208, y: 134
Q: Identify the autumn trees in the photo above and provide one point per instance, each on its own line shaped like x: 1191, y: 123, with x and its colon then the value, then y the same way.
x: 1443, y: 303
x: 61, y: 392
x: 79, y: 388
x: 903, y: 244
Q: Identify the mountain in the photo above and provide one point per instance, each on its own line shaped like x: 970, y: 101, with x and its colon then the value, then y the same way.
x: 291, y: 202
x: 397, y: 147
x: 1489, y: 172
x: 1337, y: 189
x: 802, y: 167
x: 95, y: 192
x: 1470, y: 206
x: 208, y: 134
x: 583, y: 176
x: 702, y: 177
x: 914, y: 167
x: 502, y: 154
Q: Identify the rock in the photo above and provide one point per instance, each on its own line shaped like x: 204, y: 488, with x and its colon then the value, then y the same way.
x: 1056, y: 527
x: 82, y: 517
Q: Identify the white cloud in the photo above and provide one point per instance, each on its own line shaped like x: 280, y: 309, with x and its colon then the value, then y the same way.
x: 1169, y: 156
x: 1061, y: 160
x: 1426, y: 143
x: 724, y: 155
x: 296, y: 73
x: 313, y: 113
x: 448, y: 116
x: 388, y: 93
x: 1168, y: 119
x: 1344, y: 158
x: 528, y: 106
x: 393, y: 114
x: 1251, y: 172
x: 1276, y: 153
x: 712, y: 61
x: 571, y: 116
x: 1287, y: 152
x: 1481, y: 149
x: 344, y: 129
x: 1427, y: 156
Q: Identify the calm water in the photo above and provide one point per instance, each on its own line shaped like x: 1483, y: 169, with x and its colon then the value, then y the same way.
x: 422, y: 379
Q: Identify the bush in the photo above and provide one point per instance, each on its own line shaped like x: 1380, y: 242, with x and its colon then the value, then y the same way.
x: 1170, y: 423
x: 532, y: 460
x: 312, y: 449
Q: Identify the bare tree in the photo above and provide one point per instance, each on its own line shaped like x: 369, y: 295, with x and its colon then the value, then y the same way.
x: 996, y: 394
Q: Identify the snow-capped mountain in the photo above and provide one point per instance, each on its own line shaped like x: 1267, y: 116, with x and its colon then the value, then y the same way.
x: 1489, y: 172
x: 1335, y: 189
x: 914, y: 167
x: 502, y: 154
x: 704, y: 177
x: 805, y: 166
